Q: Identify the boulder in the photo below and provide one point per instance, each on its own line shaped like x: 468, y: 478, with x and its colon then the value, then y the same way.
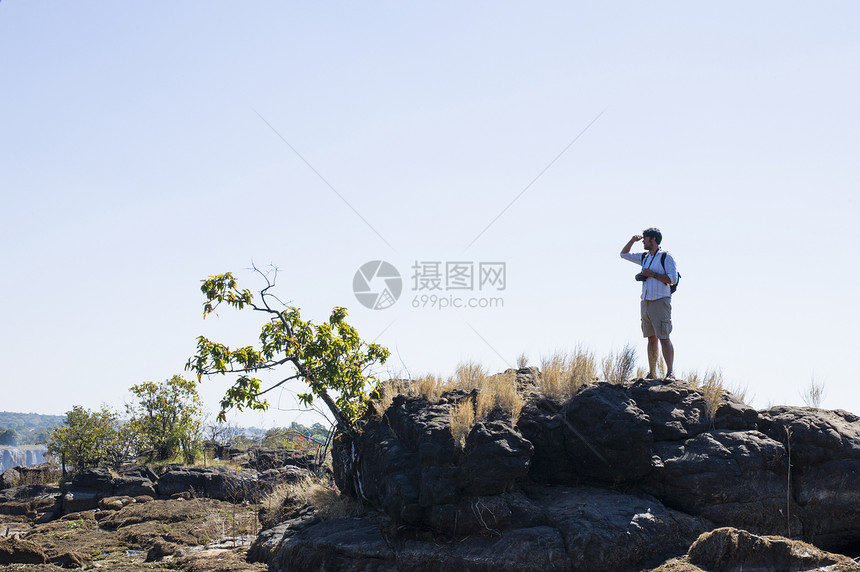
x: 10, y: 478
x: 71, y: 559
x: 29, y: 499
x: 78, y: 500
x: 352, y: 545
x: 135, y: 480
x: 18, y: 551
x: 85, y: 489
x: 231, y: 484
x: 677, y: 411
x: 728, y: 477
x: 178, y: 480
x: 824, y: 447
x: 607, y: 530
x: 114, y: 503
x: 98, y: 479
x: 732, y: 550
x: 607, y: 437
x: 494, y: 459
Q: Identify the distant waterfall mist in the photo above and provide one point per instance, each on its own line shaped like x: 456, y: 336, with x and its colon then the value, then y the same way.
x: 23, y: 456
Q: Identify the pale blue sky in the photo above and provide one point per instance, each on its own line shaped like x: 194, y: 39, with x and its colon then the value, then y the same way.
x: 133, y: 163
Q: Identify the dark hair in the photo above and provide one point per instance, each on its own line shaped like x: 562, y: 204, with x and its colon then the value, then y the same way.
x: 654, y: 233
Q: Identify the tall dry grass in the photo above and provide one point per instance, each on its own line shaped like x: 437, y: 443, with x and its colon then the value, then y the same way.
x: 563, y: 373
x: 814, y: 394
x: 500, y: 391
x: 618, y: 367
x: 712, y: 390
x: 522, y: 361
x: 469, y: 375
x: 320, y: 494
x: 386, y: 390
x: 429, y: 386
x: 497, y: 391
x: 462, y: 418
x: 713, y: 385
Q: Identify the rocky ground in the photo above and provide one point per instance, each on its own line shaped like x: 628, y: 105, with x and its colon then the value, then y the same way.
x: 180, y: 518
x: 196, y: 534
x: 629, y: 477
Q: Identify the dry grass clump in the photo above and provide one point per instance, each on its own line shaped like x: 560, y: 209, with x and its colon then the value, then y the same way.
x: 386, y: 390
x: 497, y: 391
x: 320, y: 494
x: 712, y: 389
x: 522, y: 360
x: 814, y: 394
x: 563, y: 373
x: 500, y: 391
x: 469, y: 375
x: 430, y: 387
x: 618, y: 367
x: 462, y: 417
x: 739, y: 391
x: 692, y: 377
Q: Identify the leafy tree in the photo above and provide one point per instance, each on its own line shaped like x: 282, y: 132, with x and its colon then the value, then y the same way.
x: 125, y: 445
x: 85, y: 438
x: 167, y: 418
x: 329, y: 357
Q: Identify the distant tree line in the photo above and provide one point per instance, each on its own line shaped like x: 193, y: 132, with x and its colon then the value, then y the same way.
x: 26, y: 428
x: 163, y: 423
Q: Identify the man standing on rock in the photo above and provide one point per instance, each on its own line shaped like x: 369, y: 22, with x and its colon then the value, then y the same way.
x: 658, y: 275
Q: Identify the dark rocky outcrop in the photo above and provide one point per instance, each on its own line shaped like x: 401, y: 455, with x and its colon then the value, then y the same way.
x: 619, y: 477
x: 88, y: 488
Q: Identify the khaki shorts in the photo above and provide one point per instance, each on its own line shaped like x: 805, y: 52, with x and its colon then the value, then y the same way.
x: 657, y: 317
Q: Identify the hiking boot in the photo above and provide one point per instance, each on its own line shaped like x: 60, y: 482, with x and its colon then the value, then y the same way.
x: 649, y: 376
x: 670, y: 377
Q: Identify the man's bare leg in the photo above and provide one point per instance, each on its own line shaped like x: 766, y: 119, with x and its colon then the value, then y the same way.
x: 668, y: 355
x: 652, y: 356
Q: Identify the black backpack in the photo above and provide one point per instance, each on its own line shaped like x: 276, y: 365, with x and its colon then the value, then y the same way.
x: 672, y: 287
